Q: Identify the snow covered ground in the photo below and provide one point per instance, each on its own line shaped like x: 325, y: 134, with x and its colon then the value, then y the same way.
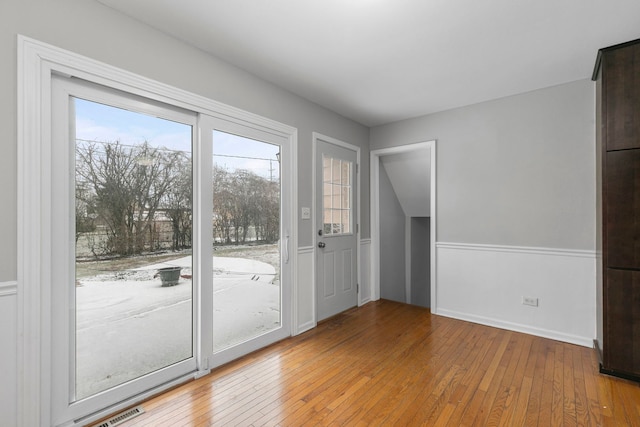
x: 128, y: 324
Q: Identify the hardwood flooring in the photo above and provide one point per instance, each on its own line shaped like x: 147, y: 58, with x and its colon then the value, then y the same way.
x: 397, y: 365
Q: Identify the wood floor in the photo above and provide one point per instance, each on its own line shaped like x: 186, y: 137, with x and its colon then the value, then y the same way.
x: 394, y: 365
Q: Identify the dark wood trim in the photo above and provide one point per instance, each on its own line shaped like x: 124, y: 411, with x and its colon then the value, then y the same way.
x: 596, y: 68
x: 618, y: 374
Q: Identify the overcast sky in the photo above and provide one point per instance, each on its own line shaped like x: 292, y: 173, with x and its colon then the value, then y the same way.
x: 99, y: 122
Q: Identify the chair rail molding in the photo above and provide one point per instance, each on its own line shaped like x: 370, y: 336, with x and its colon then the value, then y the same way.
x: 8, y: 288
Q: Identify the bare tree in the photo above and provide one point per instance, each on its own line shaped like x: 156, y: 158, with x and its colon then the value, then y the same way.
x: 178, y: 204
x: 85, y: 218
x: 128, y: 183
x: 243, y: 200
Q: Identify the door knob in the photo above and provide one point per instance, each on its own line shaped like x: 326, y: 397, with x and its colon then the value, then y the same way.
x: 321, y: 245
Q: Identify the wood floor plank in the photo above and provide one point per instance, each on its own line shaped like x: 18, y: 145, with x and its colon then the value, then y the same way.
x: 557, y: 400
x: 393, y: 364
x: 589, y: 369
x: 546, y: 402
x: 535, y: 395
x: 582, y: 413
x: 569, y: 399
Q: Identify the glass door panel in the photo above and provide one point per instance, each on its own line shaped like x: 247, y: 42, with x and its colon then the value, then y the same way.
x: 133, y: 286
x: 171, y: 238
x: 247, y: 295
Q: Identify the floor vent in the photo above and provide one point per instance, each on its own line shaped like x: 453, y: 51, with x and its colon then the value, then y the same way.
x: 122, y: 417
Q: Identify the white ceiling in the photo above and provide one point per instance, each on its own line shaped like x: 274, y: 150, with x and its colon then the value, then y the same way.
x: 378, y: 61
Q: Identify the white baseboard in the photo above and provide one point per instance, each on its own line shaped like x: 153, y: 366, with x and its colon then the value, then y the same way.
x: 486, y: 284
x: 545, y: 333
x: 304, y: 327
x: 365, y: 301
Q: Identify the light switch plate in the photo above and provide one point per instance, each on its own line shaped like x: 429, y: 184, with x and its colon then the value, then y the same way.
x: 305, y: 213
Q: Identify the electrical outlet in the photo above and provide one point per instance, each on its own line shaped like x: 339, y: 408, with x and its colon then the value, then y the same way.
x: 530, y: 301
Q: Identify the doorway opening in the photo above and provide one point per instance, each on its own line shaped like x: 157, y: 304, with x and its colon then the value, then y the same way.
x: 403, y: 224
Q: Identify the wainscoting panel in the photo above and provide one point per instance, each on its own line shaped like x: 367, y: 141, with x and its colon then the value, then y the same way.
x: 365, y: 272
x: 486, y: 284
x: 304, y: 294
x: 8, y: 354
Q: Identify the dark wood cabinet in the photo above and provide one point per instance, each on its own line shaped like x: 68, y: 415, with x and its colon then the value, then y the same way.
x: 622, y: 295
x: 623, y: 207
x: 622, y: 89
x: 617, y: 76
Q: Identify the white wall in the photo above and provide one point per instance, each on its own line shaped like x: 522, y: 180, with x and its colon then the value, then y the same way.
x: 90, y: 29
x: 93, y: 30
x: 420, y: 247
x: 516, y: 178
x: 515, y: 171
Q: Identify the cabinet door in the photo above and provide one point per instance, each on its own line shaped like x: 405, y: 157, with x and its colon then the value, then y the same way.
x: 622, y: 97
x: 622, y: 198
x: 622, y: 321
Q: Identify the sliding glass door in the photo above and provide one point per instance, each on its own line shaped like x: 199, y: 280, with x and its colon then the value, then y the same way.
x: 123, y: 308
x: 171, y: 235
x: 249, y: 238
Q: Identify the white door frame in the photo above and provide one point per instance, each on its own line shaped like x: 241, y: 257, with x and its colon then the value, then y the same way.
x: 37, y: 63
x: 375, y: 215
x: 320, y: 137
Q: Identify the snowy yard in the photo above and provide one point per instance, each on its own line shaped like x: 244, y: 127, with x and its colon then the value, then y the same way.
x: 128, y: 324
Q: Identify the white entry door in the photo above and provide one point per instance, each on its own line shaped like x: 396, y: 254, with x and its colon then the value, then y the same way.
x: 336, y: 239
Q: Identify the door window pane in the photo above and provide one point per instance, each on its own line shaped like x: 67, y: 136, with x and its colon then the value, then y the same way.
x: 247, y: 297
x: 133, y: 233
x: 336, y: 196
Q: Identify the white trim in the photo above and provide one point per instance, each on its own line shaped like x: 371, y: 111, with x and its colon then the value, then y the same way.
x: 132, y: 401
x: 305, y: 255
x: 375, y: 215
x: 37, y: 62
x: 32, y: 390
x: 365, y: 268
x: 315, y: 138
x: 517, y: 249
x: 293, y: 233
x: 8, y: 288
x: 304, y: 327
x: 517, y: 327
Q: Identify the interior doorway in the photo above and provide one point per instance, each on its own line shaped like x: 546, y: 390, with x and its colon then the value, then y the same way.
x: 403, y: 218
